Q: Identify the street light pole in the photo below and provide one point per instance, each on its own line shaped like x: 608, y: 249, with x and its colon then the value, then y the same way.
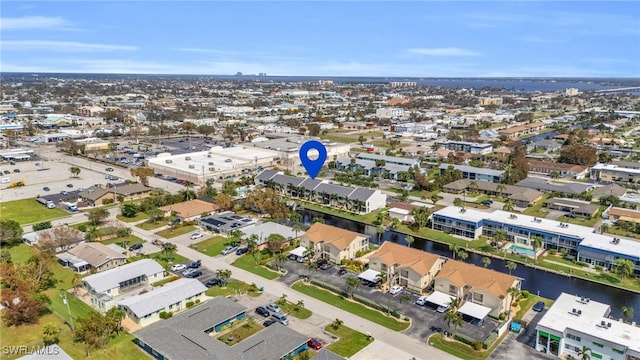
x: 66, y: 302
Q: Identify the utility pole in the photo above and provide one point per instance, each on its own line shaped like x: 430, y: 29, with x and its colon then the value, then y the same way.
x: 66, y: 302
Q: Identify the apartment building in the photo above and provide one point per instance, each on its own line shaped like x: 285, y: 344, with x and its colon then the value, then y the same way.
x: 549, y: 167
x: 614, y: 172
x: 475, y: 173
x: 520, y: 196
x: 333, y: 243
x: 467, y: 147
x: 574, y: 322
x: 521, y: 130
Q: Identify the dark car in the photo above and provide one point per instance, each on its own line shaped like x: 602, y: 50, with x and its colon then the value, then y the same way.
x: 193, y: 274
x: 213, y: 282
x: 260, y: 310
x: 269, y: 322
x: 46, y: 188
x: 436, y: 329
x: 135, y: 247
x: 314, y: 344
x: 539, y: 306
x: 195, y: 264
x: 69, y: 185
x: 109, y: 169
x: 242, y: 251
x: 174, y: 222
x: 342, y: 270
x: 487, y: 202
x: 16, y: 170
x: 321, y: 262
x: 7, y: 172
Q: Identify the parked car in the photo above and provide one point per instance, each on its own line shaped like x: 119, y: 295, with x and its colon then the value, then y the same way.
x: 196, y: 236
x: 174, y: 222
x: 63, y: 192
x: 436, y: 329
x: 109, y: 169
x: 395, y: 289
x: 195, y: 264
x: 321, y: 262
x: 539, y: 306
x: 178, y: 267
x: 314, y: 343
x: 7, y: 172
x: 443, y: 309
x: 46, y: 188
x: 213, y: 282
x: 193, y: 274
x: 281, y: 318
x: 260, y: 310
x: 269, y: 322
x: 16, y: 170
x: 242, y: 251
x: 421, y: 300
x: 342, y: 270
x: 69, y: 185
x: 111, y: 177
x: 273, y: 307
x: 229, y: 249
x: 135, y: 247
x: 326, y: 266
x: 487, y: 202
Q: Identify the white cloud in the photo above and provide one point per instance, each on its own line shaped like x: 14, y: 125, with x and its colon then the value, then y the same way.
x: 208, y: 51
x: 61, y: 46
x: 448, y: 51
x: 33, y: 22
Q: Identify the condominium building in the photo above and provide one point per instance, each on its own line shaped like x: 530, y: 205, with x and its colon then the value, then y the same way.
x: 614, y: 172
x: 475, y: 173
x: 521, y: 130
x: 575, y: 322
x: 584, y: 242
x: 468, y: 147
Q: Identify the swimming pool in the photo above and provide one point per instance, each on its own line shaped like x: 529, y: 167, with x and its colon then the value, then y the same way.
x: 522, y: 250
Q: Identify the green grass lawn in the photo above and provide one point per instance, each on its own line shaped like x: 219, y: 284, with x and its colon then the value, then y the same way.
x: 176, y: 231
x: 351, y: 306
x: 526, y: 304
x: 151, y: 226
x: 29, y: 211
x: 233, y: 287
x: 296, y: 311
x: 139, y: 216
x: 536, y: 209
x: 130, y: 239
x: 159, y: 257
x: 247, y: 262
x: 456, y: 348
x: 212, y: 246
x: 240, y: 332
x: 21, y: 253
x: 337, y: 138
x: 349, y: 341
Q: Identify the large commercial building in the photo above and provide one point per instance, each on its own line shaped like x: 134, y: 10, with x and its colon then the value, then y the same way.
x: 390, y: 167
x: 288, y: 148
x: 216, y: 163
x: 589, y: 246
x: 575, y: 322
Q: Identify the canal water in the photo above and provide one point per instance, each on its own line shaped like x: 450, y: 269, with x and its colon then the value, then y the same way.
x: 546, y: 284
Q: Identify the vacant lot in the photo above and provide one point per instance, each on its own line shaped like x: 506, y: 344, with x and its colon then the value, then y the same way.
x: 349, y: 341
x: 29, y: 211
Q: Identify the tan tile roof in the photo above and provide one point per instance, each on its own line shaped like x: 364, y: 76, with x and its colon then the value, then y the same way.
x: 340, y: 238
x: 187, y: 209
x: 420, y: 261
x: 94, y: 253
x: 478, y: 278
x: 616, y: 211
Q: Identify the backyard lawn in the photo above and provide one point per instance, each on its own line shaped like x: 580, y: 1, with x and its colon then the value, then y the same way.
x: 247, y: 262
x: 349, y: 341
x: 212, y: 246
x: 240, y: 332
x: 234, y: 287
x: 129, y: 239
x: 526, y: 304
x: 21, y: 253
x: 160, y: 258
x: 176, y: 231
x: 351, y: 306
x: 147, y: 225
x: 138, y: 217
x: 29, y: 211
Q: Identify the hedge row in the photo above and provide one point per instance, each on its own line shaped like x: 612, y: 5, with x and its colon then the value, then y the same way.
x: 464, y: 338
x: 361, y: 299
x: 489, y: 340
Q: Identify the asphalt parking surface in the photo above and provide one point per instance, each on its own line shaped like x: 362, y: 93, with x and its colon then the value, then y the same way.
x: 516, y: 346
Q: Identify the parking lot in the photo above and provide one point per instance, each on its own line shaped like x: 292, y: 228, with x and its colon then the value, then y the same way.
x: 207, y: 274
x: 521, y: 345
x: 425, y: 319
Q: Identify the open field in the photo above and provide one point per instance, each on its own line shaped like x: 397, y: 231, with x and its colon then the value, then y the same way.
x: 246, y: 262
x: 349, y: 341
x: 29, y: 211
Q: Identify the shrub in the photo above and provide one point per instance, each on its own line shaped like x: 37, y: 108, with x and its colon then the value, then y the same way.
x: 580, y: 263
x: 525, y: 293
x: 42, y: 225
x: 598, y: 267
x: 502, y: 317
x: 477, y: 345
x: 553, y: 252
x: 165, y: 315
x: 189, y: 304
x: 489, y: 340
x: 107, y: 201
x: 464, y: 339
x: 82, y: 227
x: 197, y: 301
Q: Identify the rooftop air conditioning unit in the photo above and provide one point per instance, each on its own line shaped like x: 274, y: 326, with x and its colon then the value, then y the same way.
x: 608, y: 325
x: 187, y: 158
x: 212, y: 169
x: 603, y: 323
x: 192, y: 166
x: 579, y: 312
x: 210, y: 163
x: 168, y: 161
x: 208, y: 155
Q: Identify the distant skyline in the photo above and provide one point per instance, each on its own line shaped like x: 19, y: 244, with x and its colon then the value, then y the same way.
x: 317, y: 38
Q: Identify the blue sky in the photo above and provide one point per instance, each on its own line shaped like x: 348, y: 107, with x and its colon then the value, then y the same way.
x: 354, y: 38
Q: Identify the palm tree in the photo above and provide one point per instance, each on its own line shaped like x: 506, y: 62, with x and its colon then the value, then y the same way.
x: 463, y: 255
x: 336, y: 324
x: 380, y: 230
x: 454, y: 303
x: 395, y: 222
x: 382, y: 277
x: 501, y: 188
x: 409, y: 239
x: 486, y: 261
x: 499, y: 236
x: 584, y: 353
x: 169, y: 249
x: 624, y: 268
x: 313, y: 267
x: 454, y: 248
x: 75, y: 171
x: 76, y: 282
x: 514, y: 293
x: 627, y: 312
x: 224, y: 275
x: 300, y: 304
x: 252, y: 245
x: 296, y: 229
x: 473, y: 185
x: 453, y: 318
x: 352, y: 283
x: 508, y: 206
x: 604, y: 228
x: 280, y: 260
x: 404, y: 299
x: 536, y: 243
x: 282, y: 300
x: 511, y: 266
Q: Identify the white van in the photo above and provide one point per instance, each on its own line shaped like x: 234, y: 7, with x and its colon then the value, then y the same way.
x: 5, y: 180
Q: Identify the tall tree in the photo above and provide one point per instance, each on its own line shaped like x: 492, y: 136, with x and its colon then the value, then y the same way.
x: 511, y: 266
x: 75, y: 171
x: 169, y: 250
x: 579, y: 155
x: 351, y: 284
x: 409, y: 240
x: 97, y: 215
x: 584, y: 353
x: 624, y: 268
x: 10, y: 232
x: 143, y: 173
x: 486, y: 261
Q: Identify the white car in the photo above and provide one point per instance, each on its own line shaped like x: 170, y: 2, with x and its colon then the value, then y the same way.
x: 421, y: 300
x: 443, y: 309
x: 178, y: 267
x: 196, y: 236
x: 395, y: 289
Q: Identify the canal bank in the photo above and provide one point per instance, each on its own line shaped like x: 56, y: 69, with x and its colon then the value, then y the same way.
x: 537, y: 279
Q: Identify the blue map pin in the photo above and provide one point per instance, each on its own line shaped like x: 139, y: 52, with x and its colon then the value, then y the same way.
x: 313, y: 166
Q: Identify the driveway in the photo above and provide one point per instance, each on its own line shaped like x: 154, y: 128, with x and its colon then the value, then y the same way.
x: 516, y: 346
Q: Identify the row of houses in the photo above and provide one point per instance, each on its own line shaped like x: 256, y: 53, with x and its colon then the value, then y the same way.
x: 355, y: 199
x: 585, y: 243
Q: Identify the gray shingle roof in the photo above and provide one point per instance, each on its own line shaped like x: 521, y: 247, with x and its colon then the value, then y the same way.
x: 341, y: 191
x: 183, y: 336
x: 325, y: 354
x: 285, y: 180
x: 361, y: 194
x: 160, y: 298
x: 266, y: 175
x: 472, y: 169
x: 93, y: 193
x: 310, y: 184
x: 545, y: 185
x: 111, y: 279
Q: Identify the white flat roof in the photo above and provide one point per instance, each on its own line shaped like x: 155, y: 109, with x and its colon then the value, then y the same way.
x: 589, y: 237
x: 299, y: 251
x: 475, y: 310
x: 439, y: 298
x: 370, y: 275
x: 561, y: 316
x: 399, y: 211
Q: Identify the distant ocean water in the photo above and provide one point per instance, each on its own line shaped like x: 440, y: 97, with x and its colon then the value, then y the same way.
x: 513, y: 84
